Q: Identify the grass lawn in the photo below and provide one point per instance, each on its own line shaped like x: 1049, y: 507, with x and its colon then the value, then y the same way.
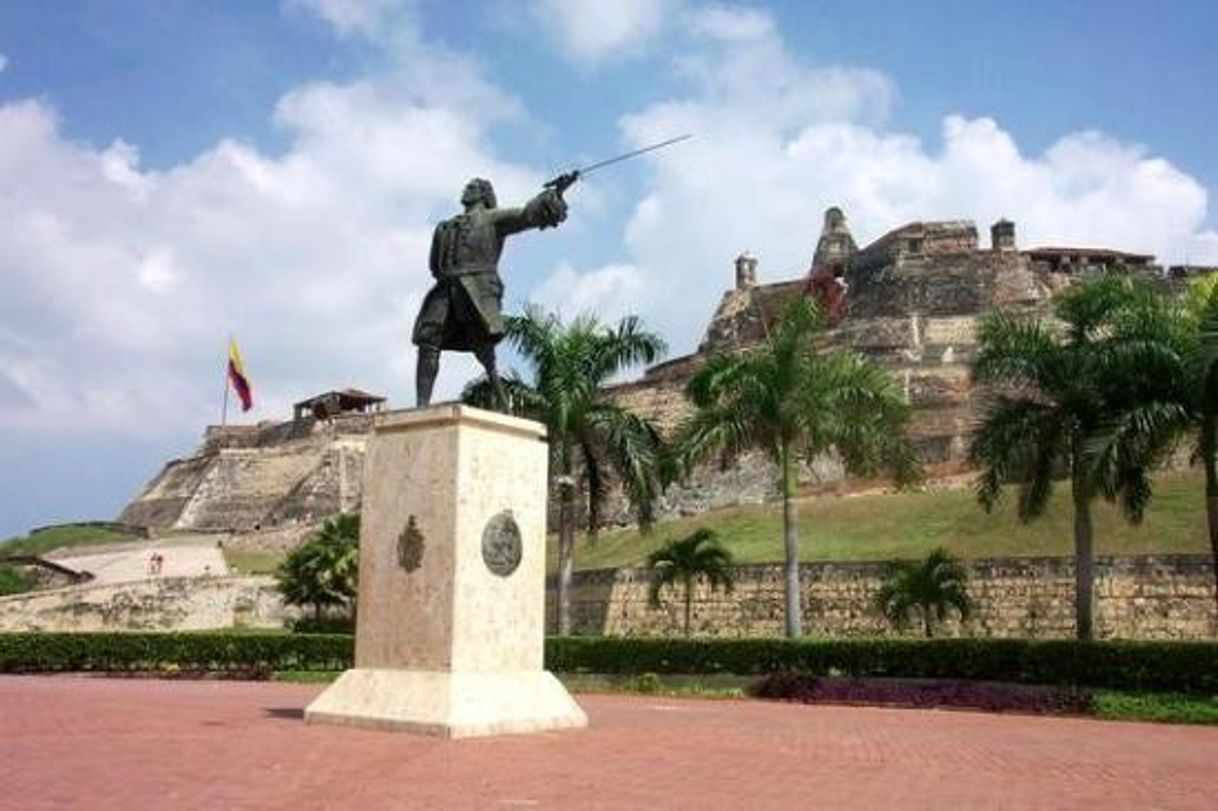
x: 909, y: 525
x: 241, y: 561
x: 1111, y: 705
x: 58, y: 537
x: 1172, y: 708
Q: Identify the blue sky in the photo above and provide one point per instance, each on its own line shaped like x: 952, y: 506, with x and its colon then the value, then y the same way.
x: 172, y: 171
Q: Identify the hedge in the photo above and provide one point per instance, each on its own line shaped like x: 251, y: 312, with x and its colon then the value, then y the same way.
x: 213, y: 652
x: 1138, y: 666
x: 1125, y: 665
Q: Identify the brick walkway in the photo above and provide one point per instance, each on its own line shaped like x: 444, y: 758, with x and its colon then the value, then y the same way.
x: 133, y: 744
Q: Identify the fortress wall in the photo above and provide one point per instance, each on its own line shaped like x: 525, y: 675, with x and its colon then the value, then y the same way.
x: 290, y: 472
x: 334, y: 485
x: 241, y: 488
x: 1137, y: 597
x: 661, y: 401
x: 161, y: 604
x: 928, y: 355
x: 161, y: 502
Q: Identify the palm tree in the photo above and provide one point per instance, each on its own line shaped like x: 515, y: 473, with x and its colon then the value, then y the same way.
x: 1203, y: 377
x: 794, y: 400
x: 694, y: 557
x: 1092, y: 397
x: 931, y: 588
x: 1196, y: 340
x: 587, y: 431
x: 324, y: 571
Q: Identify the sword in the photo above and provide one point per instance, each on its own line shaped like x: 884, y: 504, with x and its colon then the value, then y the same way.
x: 564, y: 181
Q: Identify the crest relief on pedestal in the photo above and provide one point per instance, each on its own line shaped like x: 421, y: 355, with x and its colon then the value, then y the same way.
x: 410, y: 546
x: 501, y: 544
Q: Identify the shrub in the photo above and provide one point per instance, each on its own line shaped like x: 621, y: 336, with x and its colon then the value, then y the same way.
x: 1184, y: 667
x: 1168, y: 666
x: 14, y: 581
x: 323, y: 572
x: 323, y: 625
x: 988, y: 696
x: 647, y: 684
x: 930, y: 588
x: 195, y: 652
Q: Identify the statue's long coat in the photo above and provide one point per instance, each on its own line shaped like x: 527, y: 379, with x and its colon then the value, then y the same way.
x: 463, y: 311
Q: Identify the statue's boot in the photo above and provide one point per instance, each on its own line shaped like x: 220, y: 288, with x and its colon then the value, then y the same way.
x: 486, y: 356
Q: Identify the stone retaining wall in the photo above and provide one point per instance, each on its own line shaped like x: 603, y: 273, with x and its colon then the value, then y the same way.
x: 1137, y: 597
x: 161, y: 604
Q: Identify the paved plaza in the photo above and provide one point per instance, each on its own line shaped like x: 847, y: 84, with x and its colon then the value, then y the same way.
x: 68, y: 742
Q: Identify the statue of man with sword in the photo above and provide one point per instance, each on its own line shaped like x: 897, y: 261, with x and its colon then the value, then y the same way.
x: 463, y: 311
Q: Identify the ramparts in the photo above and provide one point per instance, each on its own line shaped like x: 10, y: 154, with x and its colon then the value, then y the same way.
x: 155, y: 604
x: 256, y: 477
x: 1137, y: 597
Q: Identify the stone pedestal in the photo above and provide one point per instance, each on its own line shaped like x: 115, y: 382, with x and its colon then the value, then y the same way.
x: 450, y: 630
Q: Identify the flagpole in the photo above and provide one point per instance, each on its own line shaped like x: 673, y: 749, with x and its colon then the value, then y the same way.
x: 224, y: 411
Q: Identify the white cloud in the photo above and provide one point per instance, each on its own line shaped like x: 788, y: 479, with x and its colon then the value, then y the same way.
x: 609, y: 292
x: 778, y: 140
x: 158, y: 272
x: 730, y: 24
x: 590, y: 31
x: 355, y: 17
x: 118, y: 285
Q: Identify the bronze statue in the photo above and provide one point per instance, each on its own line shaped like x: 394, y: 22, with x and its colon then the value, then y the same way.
x: 463, y: 311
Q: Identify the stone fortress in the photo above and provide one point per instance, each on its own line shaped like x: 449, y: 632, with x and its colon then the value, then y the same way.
x: 910, y: 300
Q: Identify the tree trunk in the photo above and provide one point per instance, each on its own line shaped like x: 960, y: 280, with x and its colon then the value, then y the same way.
x: 1084, y: 574
x: 566, y: 544
x: 1209, y: 452
x: 689, y: 597
x: 927, y: 624
x: 790, y: 531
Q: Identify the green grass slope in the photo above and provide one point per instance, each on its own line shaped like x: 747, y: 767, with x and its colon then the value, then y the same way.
x: 67, y: 535
x: 909, y: 525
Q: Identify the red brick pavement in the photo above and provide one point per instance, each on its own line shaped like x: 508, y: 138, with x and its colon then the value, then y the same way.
x: 98, y: 743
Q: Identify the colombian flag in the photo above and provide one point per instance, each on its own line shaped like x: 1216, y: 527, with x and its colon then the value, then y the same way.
x: 236, y: 376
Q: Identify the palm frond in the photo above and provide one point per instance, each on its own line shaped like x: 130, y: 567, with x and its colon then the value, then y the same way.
x: 534, y: 334
x: 634, y: 448
x: 853, y: 406
x: 626, y: 345
x: 522, y: 399
x: 712, y: 432
x: 699, y: 555
x: 1018, y: 440
x: 933, y: 587
x: 1014, y: 352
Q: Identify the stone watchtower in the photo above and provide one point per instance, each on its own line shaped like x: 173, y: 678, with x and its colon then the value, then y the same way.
x: 1002, y: 235
x: 746, y: 271
x: 836, y: 244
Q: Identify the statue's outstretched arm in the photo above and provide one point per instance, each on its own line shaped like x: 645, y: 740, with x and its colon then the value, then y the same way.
x: 546, y: 210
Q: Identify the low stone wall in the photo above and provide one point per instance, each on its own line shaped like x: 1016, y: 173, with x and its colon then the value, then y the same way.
x: 161, y: 604
x: 1137, y: 597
